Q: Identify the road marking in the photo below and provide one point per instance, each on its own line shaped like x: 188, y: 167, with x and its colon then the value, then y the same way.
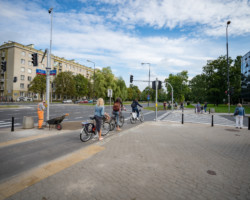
x: 20, y: 182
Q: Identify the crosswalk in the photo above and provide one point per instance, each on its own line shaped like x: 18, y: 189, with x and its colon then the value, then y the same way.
x: 4, y: 124
x: 191, y: 117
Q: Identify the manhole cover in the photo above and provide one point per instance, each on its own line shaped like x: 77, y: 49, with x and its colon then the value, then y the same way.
x: 232, y: 130
x: 211, y: 172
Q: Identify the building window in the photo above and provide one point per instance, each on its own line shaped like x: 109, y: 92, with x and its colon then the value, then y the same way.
x: 21, y: 94
x: 29, y: 78
x: 22, y: 77
x: 22, y: 69
x: 30, y: 63
x: 30, y: 55
x: 22, y: 61
x: 28, y: 85
x: 29, y: 71
x: 23, y: 53
x: 22, y: 85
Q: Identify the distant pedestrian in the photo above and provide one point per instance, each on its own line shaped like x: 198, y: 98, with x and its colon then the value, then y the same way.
x: 239, y: 113
x: 164, y: 105
x: 205, y: 106
x: 40, y: 112
x: 182, y: 106
x: 198, y: 107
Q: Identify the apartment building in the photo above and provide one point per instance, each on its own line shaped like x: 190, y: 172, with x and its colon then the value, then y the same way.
x: 245, y: 77
x: 15, y: 81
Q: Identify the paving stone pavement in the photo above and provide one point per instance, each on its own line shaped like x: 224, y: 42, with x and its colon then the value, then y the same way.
x: 157, y: 160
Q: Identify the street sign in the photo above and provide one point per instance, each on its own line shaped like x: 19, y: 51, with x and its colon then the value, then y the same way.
x: 148, y: 97
x: 40, y: 71
x: 110, y: 92
x: 53, y: 72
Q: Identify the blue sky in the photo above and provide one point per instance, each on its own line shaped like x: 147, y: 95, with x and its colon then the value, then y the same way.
x: 170, y: 35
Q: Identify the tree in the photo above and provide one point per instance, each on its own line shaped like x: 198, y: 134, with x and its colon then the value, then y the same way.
x: 121, y: 89
x: 179, y: 84
x: 65, y: 84
x: 81, y: 85
x: 198, y: 88
x: 133, y: 93
x: 38, y: 85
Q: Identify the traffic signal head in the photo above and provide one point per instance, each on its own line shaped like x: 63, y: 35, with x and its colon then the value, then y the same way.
x: 3, y: 65
x: 131, y: 78
x: 35, y: 59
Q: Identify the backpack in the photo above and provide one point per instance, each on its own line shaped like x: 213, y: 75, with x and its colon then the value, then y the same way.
x: 116, y: 106
x: 133, y: 105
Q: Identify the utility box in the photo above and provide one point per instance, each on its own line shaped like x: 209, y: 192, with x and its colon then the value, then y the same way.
x: 28, y: 122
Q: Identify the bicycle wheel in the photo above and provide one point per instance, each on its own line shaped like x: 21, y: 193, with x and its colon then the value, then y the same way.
x: 121, y: 120
x: 112, y: 124
x: 141, y: 117
x: 132, y: 120
x: 86, y: 133
x: 105, y: 128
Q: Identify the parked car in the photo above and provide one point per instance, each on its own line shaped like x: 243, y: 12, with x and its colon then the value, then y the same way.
x: 24, y: 99
x: 90, y: 101
x: 67, y: 101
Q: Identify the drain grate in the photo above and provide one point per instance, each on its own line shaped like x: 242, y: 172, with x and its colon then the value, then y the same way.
x: 211, y: 172
x: 232, y: 130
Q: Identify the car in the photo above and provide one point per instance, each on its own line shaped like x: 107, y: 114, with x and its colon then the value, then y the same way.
x: 67, y: 101
x: 90, y: 101
x: 21, y: 99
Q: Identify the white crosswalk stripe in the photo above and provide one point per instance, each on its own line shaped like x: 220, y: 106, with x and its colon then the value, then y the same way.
x: 7, y: 124
x: 191, y: 117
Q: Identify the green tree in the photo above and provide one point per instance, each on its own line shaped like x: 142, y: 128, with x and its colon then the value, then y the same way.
x: 81, y: 85
x: 133, y: 93
x: 121, y: 89
x: 198, y: 87
x: 38, y: 85
x: 65, y: 84
x: 179, y: 83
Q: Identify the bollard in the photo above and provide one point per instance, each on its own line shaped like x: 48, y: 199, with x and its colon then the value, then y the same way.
x: 182, y: 120
x: 12, y: 125
x: 209, y: 110
x: 212, y: 124
x: 248, y: 123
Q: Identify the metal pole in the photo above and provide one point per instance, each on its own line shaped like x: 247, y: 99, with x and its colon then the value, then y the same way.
x: 12, y: 124
x: 148, y: 79
x: 156, y: 91
x: 94, y: 79
x: 228, y: 84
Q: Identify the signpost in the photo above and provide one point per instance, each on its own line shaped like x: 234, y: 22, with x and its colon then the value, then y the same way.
x: 110, y: 93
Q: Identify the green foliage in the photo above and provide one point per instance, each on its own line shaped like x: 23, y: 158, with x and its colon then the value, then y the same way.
x: 133, y: 93
x: 65, y: 84
x: 38, y: 85
x: 179, y: 83
x: 81, y: 85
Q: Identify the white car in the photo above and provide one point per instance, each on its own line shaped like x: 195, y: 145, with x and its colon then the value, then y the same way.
x: 24, y: 99
x: 67, y: 101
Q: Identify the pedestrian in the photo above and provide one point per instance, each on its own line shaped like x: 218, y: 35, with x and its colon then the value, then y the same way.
x: 164, y: 105
x: 205, y: 107
x: 134, y: 105
x: 117, y: 107
x: 239, y: 113
x: 40, y: 112
x: 198, y: 107
x: 99, y: 114
x: 181, y: 106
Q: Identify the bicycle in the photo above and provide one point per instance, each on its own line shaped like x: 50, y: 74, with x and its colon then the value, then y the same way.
x: 89, y: 129
x: 113, y: 122
x: 133, y: 116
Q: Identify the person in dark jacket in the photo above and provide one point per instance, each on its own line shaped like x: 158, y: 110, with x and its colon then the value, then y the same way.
x: 134, y: 105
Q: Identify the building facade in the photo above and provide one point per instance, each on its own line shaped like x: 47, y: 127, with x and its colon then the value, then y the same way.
x: 245, y: 77
x: 15, y: 80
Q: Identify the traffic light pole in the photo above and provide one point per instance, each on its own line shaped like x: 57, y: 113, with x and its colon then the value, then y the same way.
x: 156, y: 94
x: 172, y: 93
x: 48, y: 83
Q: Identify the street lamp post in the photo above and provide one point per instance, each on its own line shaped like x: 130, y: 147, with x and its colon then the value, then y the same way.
x: 94, y: 79
x: 49, y: 67
x: 228, y: 84
x: 148, y: 79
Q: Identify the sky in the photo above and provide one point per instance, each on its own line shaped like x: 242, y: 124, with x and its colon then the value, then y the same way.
x: 170, y: 35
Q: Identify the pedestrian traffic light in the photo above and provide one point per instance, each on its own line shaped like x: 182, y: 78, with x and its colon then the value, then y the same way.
x: 34, y: 59
x: 3, y: 65
x: 159, y: 84
x: 131, y: 78
x: 154, y: 85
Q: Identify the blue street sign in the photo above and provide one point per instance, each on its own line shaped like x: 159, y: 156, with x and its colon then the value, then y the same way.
x: 40, y: 71
x: 53, y: 72
x: 148, y: 97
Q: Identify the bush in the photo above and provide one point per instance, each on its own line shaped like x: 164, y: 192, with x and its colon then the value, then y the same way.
x: 188, y: 103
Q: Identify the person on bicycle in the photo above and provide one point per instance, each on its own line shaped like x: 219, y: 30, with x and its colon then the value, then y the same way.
x: 117, y: 107
x: 99, y: 113
x: 134, y: 105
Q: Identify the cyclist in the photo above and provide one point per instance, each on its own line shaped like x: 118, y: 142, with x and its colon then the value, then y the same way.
x: 134, y: 107
x: 117, y: 107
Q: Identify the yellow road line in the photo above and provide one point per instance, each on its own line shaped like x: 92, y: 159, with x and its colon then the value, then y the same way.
x: 17, y: 184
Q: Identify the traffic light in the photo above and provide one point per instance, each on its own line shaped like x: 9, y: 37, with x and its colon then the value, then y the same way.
x: 154, y: 85
x: 3, y: 65
x: 131, y: 78
x: 34, y: 59
x: 159, y: 84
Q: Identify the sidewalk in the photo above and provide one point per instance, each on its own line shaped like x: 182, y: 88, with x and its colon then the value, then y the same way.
x: 155, y: 160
